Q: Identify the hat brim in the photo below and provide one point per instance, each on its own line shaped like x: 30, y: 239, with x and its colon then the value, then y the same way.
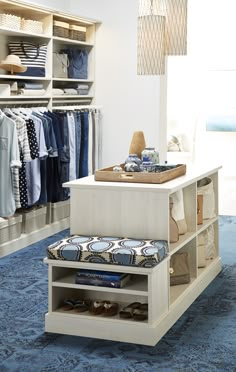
x: 12, y: 67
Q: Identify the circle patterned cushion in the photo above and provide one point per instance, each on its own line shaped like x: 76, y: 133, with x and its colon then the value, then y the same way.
x: 108, y: 249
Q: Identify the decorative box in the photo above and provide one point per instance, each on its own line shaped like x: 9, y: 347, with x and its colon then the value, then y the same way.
x: 77, y: 32
x: 60, y: 29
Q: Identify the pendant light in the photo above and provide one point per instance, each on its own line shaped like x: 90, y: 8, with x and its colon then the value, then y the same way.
x: 151, y: 39
x: 162, y: 31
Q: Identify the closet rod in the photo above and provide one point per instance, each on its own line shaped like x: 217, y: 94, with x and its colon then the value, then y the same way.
x: 74, y: 101
x: 78, y: 107
x: 22, y: 103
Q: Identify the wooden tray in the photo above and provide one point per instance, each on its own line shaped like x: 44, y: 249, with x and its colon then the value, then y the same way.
x: 107, y: 174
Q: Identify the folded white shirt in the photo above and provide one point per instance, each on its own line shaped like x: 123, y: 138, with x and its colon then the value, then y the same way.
x: 32, y: 92
x: 57, y: 92
x: 70, y: 91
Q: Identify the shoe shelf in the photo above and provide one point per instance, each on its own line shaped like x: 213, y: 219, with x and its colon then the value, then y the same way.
x: 139, y: 288
x: 140, y: 211
x: 86, y: 316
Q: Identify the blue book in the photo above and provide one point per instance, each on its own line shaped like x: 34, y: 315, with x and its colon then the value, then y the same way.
x: 103, y: 275
x: 101, y: 282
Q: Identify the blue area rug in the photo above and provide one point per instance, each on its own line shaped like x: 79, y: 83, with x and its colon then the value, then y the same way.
x: 203, y: 339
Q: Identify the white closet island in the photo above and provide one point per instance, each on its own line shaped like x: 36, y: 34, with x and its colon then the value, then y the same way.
x: 137, y: 211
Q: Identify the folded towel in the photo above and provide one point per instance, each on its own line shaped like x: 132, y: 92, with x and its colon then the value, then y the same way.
x: 82, y: 86
x: 57, y: 92
x: 70, y: 91
x: 82, y: 91
x: 31, y: 92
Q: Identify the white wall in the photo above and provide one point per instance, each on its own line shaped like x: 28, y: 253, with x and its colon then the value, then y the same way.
x: 129, y: 102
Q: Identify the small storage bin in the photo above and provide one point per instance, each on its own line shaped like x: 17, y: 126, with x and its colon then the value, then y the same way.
x: 10, y: 228
x: 77, y: 33
x: 60, y: 210
x: 30, y: 25
x: 61, y: 29
x: 10, y: 21
x: 34, y: 219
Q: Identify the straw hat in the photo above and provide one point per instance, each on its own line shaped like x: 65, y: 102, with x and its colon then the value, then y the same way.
x: 12, y: 63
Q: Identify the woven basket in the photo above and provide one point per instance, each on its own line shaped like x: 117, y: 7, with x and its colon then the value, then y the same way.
x: 10, y: 21
x: 77, y: 33
x: 61, y: 29
x: 30, y: 25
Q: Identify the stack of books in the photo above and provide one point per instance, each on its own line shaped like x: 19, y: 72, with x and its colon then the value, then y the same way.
x: 101, y: 278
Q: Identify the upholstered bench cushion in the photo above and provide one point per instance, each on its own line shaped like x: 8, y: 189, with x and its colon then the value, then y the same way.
x: 109, y: 250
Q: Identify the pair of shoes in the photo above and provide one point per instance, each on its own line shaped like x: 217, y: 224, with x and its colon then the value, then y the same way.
x: 127, y: 311
x: 97, y: 307
x: 78, y: 305
x: 106, y: 308
x: 135, y: 310
x: 82, y: 306
x: 68, y: 304
x: 110, y: 309
x: 141, y: 313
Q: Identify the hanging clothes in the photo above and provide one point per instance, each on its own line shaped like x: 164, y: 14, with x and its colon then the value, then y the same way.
x: 87, y: 144
x: 61, y: 166
x: 97, y: 142
x: 9, y: 159
x: 33, y: 168
x: 50, y: 141
x: 84, y: 149
x: 19, y: 176
x: 91, y: 130
x: 72, y: 145
x: 53, y: 148
x: 78, y: 140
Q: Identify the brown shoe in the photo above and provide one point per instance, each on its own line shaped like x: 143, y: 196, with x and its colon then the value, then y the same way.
x: 127, y: 311
x: 110, y: 309
x: 97, y: 307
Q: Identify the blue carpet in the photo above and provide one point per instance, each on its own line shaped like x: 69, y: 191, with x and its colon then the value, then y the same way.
x: 203, y: 339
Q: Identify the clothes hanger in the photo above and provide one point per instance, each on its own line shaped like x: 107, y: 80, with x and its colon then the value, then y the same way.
x: 9, y: 112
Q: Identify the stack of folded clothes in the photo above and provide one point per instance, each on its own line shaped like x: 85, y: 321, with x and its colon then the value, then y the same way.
x: 57, y: 92
x: 70, y: 91
x: 30, y: 89
x: 83, y: 89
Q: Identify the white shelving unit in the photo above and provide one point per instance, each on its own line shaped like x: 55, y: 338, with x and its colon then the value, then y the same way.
x: 137, y: 211
x: 54, y: 44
